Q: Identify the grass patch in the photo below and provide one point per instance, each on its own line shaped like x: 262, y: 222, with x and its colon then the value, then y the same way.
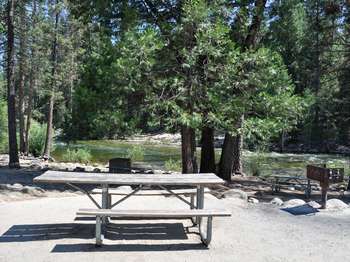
x: 80, y: 155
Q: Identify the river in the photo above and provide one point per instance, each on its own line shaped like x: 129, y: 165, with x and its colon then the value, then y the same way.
x: 157, y: 156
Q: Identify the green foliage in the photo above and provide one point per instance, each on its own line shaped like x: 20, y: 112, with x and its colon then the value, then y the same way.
x: 77, y: 155
x: 173, y: 165
x: 37, y: 135
x: 255, y: 165
x: 136, y: 153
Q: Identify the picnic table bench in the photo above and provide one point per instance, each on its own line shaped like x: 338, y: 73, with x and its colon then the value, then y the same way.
x: 105, y: 211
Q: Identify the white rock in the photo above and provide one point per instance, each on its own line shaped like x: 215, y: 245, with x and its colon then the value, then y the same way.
x: 291, y: 188
x: 294, y: 203
x: 15, y: 187
x: 314, y: 204
x: 235, y: 193
x: 253, y: 200
x: 277, y: 201
x: 125, y: 189
x: 336, y: 204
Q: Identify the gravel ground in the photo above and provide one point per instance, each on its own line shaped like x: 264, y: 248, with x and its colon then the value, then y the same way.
x: 46, y: 229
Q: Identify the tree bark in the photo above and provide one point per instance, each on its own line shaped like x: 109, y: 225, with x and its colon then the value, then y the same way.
x: 188, y: 150
x: 226, y: 159
x: 233, y: 145
x: 22, y: 70
x: 32, y: 84
x: 237, y: 166
x: 11, y: 91
x: 207, y: 151
x: 48, y: 140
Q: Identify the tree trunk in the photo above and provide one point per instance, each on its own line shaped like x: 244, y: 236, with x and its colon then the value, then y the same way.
x: 32, y: 84
x: 283, y: 140
x: 226, y: 159
x: 232, y: 148
x: 22, y: 70
x: 48, y: 140
x: 237, y: 166
x: 11, y: 91
x: 189, y: 163
x: 207, y: 151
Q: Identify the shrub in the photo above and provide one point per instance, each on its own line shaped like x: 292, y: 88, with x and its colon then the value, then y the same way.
x: 80, y: 155
x: 37, y: 135
x: 173, y: 165
x: 136, y: 153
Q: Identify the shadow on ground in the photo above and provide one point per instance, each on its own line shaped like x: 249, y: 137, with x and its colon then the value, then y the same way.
x: 68, y: 248
x: 125, y: 231
x: 301, y: 210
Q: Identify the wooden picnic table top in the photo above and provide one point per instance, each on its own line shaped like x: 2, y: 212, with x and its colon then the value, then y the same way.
x: 128, y: 179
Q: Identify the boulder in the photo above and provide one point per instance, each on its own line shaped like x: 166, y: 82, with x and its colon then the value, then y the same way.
x: 235, y: 193
x: 97, y: 170
x: 314, y: 204
x: 36, y: 167
x: 33, y: 191
x: 15, y: 187
x: 253, y: 200
x: 336, y: 204
x: 294, y: 203
x: 277, y: 201
x: 125, y: 189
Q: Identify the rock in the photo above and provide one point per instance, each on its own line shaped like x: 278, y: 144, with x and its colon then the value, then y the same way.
x: 294, y: 203
x: 79, y: 169
x: 314, y: 204
x: 336, y: 204
x: 15, y: 187
x: 157, y: 171
x: 36, y: 167
x: 291, y: 188
x: 277, y: 201
x: 97, y: 170
x: 33, y: 191
x: 253, y: 200
x: 235, y: 193
x: 149, y: 171
x: 125, y: 189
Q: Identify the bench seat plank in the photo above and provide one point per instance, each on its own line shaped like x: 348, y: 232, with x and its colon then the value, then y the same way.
x: 179, y: 213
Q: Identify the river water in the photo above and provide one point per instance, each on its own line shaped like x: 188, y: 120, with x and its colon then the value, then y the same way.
x: 255, y: 163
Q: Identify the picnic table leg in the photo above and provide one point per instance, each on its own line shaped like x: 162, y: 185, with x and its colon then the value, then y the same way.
x: 104, y: 206
x: 193, y: 219
x: 99, y: 235
x: 200, y: 201
x: 207, y: 239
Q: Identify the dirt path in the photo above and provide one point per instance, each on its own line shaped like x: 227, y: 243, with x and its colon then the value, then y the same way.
x: 44, y: 230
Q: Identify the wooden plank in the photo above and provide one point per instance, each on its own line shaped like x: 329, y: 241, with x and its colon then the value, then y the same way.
x: 128, y: 179
x: 175, y: 213
x: 117, y: 192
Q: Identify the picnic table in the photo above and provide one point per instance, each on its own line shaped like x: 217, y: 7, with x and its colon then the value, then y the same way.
x: 282, y: 181
x: 105, y: 209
